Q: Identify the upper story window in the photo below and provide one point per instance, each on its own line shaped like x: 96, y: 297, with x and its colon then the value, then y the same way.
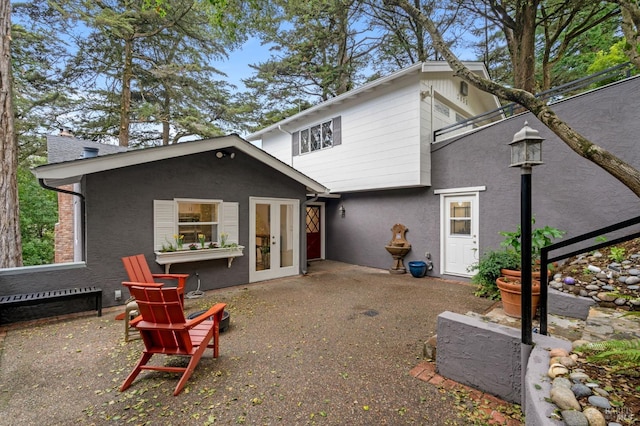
x: 323, y: 135
x: 441, y: 108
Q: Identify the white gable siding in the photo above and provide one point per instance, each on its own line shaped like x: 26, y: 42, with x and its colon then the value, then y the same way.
x: 387, y: 132
x: 380, y: 142
x: 447, y: 90
x: 278, y: 144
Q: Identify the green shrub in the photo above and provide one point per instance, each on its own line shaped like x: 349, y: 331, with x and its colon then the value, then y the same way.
x: 488, y: 270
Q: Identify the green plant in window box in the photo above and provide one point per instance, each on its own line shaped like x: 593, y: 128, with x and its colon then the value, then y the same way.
x: 179, y: 239
x: 168, y: 247
x: 193, y: 246
x: 223, y: 239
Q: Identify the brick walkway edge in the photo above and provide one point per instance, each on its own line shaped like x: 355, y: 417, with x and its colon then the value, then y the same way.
x: 489, y: 404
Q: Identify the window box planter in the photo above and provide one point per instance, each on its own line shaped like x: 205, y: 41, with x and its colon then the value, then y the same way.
x: 182, y: 256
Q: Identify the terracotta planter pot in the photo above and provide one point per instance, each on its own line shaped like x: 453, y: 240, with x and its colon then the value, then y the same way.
x: 511, y: 294
x: 516, y: 274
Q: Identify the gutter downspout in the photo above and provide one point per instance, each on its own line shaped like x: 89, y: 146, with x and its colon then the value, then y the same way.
x: 303, y: 256
x: 288, y: 133
x: 433, y: 135
x: 82, y: 213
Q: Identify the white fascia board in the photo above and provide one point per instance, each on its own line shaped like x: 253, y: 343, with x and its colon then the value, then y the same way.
x: 442, y: 66
x: 73, y: 171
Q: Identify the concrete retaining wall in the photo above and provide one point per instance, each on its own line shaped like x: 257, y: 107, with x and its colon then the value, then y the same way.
x: 487, y: 356
x: 569, y: 305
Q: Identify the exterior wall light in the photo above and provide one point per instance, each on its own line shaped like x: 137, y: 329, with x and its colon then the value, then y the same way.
x: 342, y: 210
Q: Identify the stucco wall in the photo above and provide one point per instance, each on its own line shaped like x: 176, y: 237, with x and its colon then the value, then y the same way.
x: 360, y: 237
x: 569, y: 192
x: 487, y: 356
x: 119, y: 206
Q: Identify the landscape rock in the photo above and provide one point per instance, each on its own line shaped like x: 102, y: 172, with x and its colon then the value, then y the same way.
x: 594, y: 417
x: 557, y: 370
x: 561, y: 382
x: 558, y: 352
x: 574, y: 418
x: 565, y: 399
x: 580, y: 390
x: 599, y: 401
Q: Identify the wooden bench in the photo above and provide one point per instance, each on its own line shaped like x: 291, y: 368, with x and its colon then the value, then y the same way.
x: 52, y: 296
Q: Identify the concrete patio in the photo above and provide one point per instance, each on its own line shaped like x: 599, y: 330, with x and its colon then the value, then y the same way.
x: 338, y: 346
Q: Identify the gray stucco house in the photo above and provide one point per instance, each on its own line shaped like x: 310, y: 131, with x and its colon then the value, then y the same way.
x: 225, y: 189
x: 454, y: 194
x: 283, y: 204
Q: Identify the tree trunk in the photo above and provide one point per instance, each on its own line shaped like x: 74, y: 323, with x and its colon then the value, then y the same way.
x: 10, y: 240
x: 617, y: 168
x: 166, y: 110
x: 524, y: 60
x: 125, y: 107
x: 343, y: 83
x: 631, y: 30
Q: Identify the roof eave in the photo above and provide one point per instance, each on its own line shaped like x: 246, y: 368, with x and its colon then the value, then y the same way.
x: 70, y: 172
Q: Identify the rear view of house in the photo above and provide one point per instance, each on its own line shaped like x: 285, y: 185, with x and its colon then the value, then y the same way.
x: 374, y: 148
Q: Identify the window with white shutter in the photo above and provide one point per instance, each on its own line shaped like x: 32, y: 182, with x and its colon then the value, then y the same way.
x: 181, y: 222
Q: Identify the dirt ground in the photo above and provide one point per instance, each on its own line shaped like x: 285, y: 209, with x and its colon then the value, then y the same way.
x: 334, y: 347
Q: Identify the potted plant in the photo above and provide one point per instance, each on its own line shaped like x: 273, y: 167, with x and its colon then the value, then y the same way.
x: 488, y: 271
x: 509, y: 281
x: 540, y: 237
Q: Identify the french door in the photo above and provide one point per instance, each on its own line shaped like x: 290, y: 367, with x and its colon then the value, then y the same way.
x: 275, y: 229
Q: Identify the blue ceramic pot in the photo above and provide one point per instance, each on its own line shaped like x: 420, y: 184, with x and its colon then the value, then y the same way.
x: 418, y: 268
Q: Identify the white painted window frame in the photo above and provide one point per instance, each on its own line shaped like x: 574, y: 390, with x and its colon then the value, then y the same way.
x: 308, y: 131
x: 165, y: 220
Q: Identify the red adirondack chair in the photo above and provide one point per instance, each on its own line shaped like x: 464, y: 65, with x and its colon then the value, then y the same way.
x: 165, y: 331
x: 138, y: 270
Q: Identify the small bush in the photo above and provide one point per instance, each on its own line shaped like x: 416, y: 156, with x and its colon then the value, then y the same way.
x: 488, y: 270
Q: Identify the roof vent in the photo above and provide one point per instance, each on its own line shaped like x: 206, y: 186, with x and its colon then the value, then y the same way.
x: 89, y: 152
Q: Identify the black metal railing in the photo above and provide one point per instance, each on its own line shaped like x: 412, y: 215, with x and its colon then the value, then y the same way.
x: 552, y: 95
x: 546, y: 260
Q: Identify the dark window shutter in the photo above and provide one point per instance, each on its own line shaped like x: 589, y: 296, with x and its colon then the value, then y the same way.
x: 337, y: 131
x: 295, y: 143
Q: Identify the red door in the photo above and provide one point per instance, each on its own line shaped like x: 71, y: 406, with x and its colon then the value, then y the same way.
x: 314, y: 236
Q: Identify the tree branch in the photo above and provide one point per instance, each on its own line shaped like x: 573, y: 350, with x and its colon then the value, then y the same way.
x: 619, y: 169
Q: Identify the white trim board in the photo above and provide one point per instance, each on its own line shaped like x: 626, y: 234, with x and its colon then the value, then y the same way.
x: 460, y: 190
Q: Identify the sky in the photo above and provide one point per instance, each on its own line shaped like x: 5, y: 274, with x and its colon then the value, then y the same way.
x: 237, y: 66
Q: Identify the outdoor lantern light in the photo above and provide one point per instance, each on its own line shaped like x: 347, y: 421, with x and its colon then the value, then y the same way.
x: 526, y: 147
x: 341, y: 210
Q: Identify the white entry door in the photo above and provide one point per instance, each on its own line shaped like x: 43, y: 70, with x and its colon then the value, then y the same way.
x: 275, y: 228
x: 460, y: 229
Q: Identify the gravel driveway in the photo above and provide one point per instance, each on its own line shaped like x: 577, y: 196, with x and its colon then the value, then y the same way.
x: 331, y: 348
